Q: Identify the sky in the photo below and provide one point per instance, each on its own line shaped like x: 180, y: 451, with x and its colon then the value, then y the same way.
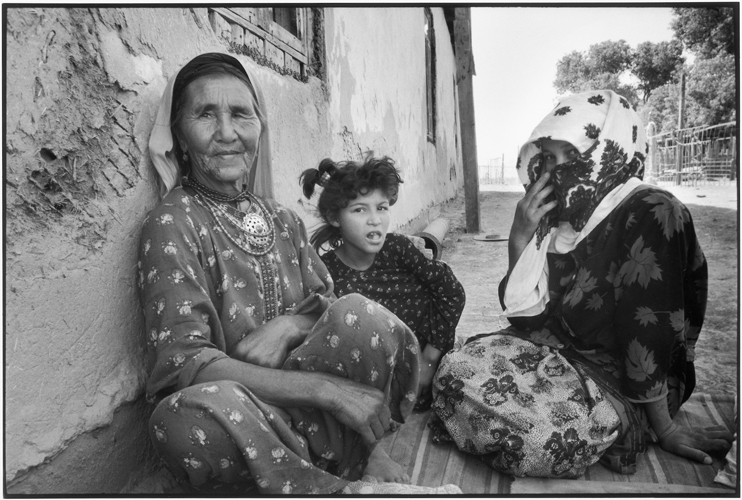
x: 516, y: 50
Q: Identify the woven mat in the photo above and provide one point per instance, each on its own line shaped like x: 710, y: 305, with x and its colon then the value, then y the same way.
x: 658, y: 472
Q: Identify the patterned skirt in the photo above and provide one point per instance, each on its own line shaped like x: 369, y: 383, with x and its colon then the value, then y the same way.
x: 219, y: 435
x: 523, y: 408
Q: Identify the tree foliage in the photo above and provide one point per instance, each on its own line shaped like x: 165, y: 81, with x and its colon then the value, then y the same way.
x: 707, y: 31
x: 710, y: 91
x: 655, y: 64
x: 653, y: 70
x: 601, y: 67
x: 709, y: 96
x: 610, y: 57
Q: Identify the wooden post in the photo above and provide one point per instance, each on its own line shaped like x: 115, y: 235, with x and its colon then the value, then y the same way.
x: 681, y: 125
x: 733, y: 170
x: 464, y: 73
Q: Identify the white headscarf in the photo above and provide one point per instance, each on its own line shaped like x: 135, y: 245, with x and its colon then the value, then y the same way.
x: 162, y: 144
x: 610, y: 137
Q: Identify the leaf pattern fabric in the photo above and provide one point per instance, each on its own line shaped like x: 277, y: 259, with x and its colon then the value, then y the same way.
x: 201, y: 294
x: 652, y: 294
x: 422, y: 292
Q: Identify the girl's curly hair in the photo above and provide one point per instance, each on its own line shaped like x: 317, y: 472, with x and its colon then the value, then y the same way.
x: 342, y: 182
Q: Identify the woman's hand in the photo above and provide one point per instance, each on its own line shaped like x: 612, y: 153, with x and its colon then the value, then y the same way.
x: 695, y: 443
x: 270, y: 344
x: 361, y: 408
x: 528, y: 213
x: 689, y: 443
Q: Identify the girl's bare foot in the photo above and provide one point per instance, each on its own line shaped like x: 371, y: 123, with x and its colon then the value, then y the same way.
x: 383, y: 469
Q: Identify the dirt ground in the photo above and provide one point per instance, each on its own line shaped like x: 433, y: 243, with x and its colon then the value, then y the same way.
x: 481, y: 265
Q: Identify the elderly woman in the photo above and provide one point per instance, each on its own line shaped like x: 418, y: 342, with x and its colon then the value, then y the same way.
x: 261, y: 375
x: 606, y: 294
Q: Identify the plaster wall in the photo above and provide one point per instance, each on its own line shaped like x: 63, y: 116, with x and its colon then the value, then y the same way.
x: 377, y: 90
x: 82, y: 89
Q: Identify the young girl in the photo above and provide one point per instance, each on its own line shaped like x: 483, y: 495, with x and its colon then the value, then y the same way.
x: 387, y: 268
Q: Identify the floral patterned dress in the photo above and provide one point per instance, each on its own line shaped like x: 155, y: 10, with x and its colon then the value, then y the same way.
x: 201, y: 294
x: 423, y: 293
x: 626, y: 308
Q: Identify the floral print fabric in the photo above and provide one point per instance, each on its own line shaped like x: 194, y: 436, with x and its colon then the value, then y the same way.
x: 201, y: 295
x: 522, y: 408
x: 423, y: 293
x: 629, y: 299
x: 221, y: 433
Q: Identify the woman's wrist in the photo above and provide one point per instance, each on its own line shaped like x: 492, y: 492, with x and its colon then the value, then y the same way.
x: 295, y: 329
x: 666, y: 432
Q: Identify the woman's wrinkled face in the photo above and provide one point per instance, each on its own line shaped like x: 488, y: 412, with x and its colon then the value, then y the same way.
x: 219, y: 129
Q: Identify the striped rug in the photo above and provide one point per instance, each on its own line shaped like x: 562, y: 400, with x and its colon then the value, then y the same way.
x: 658, y: 472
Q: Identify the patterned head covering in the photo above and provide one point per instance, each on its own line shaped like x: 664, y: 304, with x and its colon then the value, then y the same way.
x: 610, y: 137
x: 162, y: 147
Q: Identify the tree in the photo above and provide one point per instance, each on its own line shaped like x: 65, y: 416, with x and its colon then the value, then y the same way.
x: 609, y: 57
x: 600, y: 68
x: 711, y: 91
x: 711, y: 81
x: 662, y: 108
x: 709, y: 96
x: 706, y: 31
x: 572, y: 70
x: 655, y: 64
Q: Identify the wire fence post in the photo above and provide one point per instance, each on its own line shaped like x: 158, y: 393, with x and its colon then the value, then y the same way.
x: 681, y: 125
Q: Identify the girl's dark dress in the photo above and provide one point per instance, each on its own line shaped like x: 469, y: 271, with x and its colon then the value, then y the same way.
x: 423, y: 293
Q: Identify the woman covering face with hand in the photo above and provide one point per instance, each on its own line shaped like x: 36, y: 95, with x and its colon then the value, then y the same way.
x: 606, y: 294
x: 261, y: 377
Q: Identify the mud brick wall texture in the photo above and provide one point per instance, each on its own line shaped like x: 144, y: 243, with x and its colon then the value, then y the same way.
x: 82, y: 88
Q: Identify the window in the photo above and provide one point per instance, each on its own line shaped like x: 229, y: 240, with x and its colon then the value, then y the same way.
x: 287, y: 19
x: 430, y: 73
x: 276, y: 37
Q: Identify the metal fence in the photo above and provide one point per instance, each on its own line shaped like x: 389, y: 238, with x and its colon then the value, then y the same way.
x: 498, y: 173
x: 694, y: 156
x: 494, y: 172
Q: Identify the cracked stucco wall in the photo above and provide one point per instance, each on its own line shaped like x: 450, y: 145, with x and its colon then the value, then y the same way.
x: 82, y: 89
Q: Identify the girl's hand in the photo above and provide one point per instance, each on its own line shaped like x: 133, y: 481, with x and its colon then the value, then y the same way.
x: 361, y: 408
x: 427, y: 371
x: 529, y: 211
x: 694, y: 443
x: 270, y: 344
x: 429, y: 360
